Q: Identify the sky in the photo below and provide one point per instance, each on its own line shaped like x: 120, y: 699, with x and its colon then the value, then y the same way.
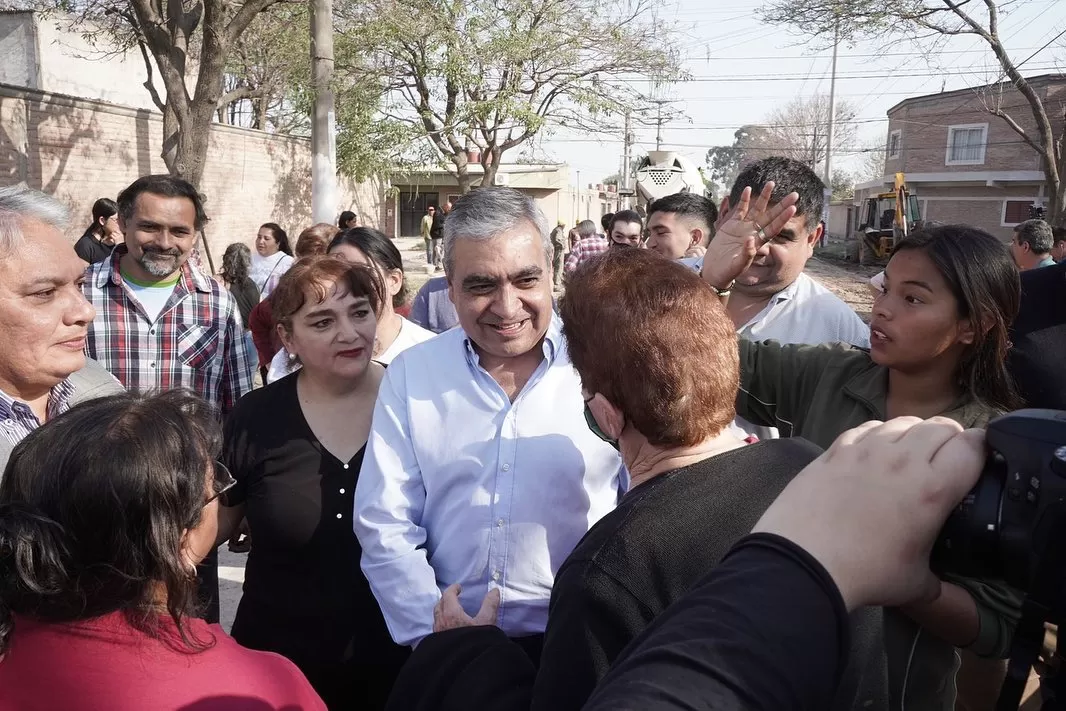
x: 742, y: 69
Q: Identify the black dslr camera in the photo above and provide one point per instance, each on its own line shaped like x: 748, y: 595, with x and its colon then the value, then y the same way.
x: 1012, y: 527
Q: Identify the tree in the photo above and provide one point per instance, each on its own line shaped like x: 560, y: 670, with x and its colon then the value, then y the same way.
x: 842, y: 184
x: 724, y: 162
x: 800, y: 130
x: 189, y: 42
x: 931, y: 21
x: 268, y: 73
x: 475, y: 79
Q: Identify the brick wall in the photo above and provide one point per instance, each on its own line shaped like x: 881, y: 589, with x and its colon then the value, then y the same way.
x: 80, y: 150
x: 924, y: 123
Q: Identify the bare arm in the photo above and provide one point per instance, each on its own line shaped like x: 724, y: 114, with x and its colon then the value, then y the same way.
x: 229, y: 517
x: 952, y: 616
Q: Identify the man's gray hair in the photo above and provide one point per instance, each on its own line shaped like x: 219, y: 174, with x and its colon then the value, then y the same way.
x: 1037, y: 234
x: 484, y: 213
x: 586, y: 228
x: 19, y: 203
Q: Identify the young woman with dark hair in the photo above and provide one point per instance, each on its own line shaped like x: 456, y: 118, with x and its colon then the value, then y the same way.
x: 272, y: 258
x: 296, y: 447
x: 939, y: 342
x: 103, y: 234
x: 105, y: 512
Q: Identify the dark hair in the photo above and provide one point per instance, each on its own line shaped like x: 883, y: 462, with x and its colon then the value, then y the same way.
x: 985, y: 282
x: 1037, y: 234
x: 346, y: 217
x: 92, y: 509
x: 633, y: 306
x: 236, y: 261
x: 625, y: 216
x: 280, y: 236
x: 319, y: 274
x: 687, y: 205
x: 605, y: 222
x: 1059, y: 234
x: 167, y: 186
x: 315, y: 239
x: 788, y: 176
x: 103, y: 208
x: 379, y: 249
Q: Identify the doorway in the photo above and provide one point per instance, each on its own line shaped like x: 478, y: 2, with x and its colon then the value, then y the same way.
x: 412, y: 208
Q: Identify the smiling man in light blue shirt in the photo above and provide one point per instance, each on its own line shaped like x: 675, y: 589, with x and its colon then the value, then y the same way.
x: 480, y: 469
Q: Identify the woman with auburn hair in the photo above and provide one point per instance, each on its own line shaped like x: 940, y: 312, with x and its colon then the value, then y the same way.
x: 295, y: 448
x: 105, y: 512
x: 938, y: 346
x: 657, y: 356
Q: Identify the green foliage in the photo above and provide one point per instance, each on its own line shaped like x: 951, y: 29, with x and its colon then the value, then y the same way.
x: 489, y: 75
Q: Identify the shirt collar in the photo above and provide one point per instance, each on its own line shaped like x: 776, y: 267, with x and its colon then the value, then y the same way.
x: 57, y: 399
x: 109, y: 272
x: 870, y: 386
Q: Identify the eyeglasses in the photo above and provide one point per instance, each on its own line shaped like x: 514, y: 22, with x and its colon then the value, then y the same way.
x: 222, y: 482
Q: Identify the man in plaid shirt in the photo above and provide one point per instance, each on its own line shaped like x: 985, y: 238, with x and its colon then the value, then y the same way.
x: 161, y: 323
x: 589, y: 245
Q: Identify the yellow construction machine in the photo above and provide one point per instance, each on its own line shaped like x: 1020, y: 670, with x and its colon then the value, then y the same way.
x: 886, y: 219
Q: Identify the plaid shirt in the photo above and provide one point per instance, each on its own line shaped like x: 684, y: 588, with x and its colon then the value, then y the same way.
x: 197, y: 341
x: 585, y: 250
x: 17, y: 419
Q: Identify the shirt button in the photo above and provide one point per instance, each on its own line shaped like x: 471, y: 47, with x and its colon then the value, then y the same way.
x: 151, y: 332
x: 338, y: 516
x: 499, y: 523
x: 342, y: 491
x: 496, y: 575
x: 151, y: 365
x: 506, y: 467
x: 345, y: 466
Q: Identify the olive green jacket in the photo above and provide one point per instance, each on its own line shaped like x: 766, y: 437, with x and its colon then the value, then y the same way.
x: 818, y: 392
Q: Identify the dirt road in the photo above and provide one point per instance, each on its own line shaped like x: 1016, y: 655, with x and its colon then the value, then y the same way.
x: 850, y: 283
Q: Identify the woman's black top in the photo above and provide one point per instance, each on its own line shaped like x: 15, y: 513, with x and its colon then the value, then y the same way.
x: 246, y: 294
x: 305, y: 596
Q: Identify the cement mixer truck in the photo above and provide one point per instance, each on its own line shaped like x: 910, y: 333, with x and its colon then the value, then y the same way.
x: 665, y: 173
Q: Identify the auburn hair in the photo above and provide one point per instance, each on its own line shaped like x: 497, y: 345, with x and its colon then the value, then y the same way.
x: 652, y: 337
x: 317, y: 277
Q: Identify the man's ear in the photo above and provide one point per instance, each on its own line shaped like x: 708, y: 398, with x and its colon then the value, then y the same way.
x: 607, y: 416
x: 815, y: 235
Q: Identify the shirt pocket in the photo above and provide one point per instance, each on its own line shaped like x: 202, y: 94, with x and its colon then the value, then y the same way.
x: 197, y: 344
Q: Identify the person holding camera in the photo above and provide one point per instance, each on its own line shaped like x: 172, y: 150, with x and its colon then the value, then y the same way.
x: 938, y: 347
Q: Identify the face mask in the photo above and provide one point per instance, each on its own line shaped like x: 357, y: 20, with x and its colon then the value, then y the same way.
x: 591, y: 422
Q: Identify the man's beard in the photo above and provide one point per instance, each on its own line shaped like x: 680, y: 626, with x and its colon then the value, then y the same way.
x: 160, y: 264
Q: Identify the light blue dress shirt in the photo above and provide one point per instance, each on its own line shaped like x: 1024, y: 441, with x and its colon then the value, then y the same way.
x: 460, y: 485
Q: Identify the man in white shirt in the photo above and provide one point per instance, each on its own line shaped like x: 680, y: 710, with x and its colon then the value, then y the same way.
x: 480, y: 469
x: 774, y: 299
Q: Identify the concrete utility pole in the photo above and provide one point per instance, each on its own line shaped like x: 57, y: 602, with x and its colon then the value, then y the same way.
x: 627, y: 160
x: 659, y: 125
x: 324, y: 200
x: 832, y: 107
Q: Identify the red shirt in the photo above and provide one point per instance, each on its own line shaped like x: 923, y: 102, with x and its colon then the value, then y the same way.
x: 104, y: 664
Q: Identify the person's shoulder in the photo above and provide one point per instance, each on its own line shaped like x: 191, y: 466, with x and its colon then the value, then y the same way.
x: 265, y: 402
x: 93, y: 380
x: 416, y: 333
x: 795, y: 451
x: 269, y: 676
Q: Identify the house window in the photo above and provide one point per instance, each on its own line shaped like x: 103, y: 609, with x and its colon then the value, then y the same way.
x: 1016, y: 211
x: 966, y: 144
x: 894, y: 140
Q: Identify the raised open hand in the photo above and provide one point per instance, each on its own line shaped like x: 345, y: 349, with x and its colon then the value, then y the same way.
x: 749, y: 227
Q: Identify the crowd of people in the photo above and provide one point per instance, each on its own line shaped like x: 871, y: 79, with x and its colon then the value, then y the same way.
x: 668, y: 488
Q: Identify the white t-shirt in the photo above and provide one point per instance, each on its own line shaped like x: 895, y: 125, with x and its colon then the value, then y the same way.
x: 409, y: 335
x: 267, y: 271
x: 152, y: 298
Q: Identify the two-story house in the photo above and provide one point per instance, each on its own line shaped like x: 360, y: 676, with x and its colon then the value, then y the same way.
x: 965, y: 164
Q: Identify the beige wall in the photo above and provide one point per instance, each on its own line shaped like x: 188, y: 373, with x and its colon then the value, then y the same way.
x: 80, y: 150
